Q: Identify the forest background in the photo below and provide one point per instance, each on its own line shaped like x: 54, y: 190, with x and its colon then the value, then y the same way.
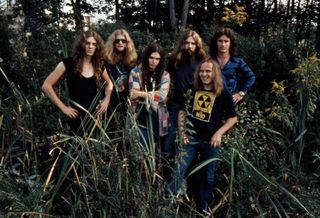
x: 270, y: 166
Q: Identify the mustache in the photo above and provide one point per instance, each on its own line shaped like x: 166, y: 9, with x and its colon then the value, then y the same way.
x: 188, y: 51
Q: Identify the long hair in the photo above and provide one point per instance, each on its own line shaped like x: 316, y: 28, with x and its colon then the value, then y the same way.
x: 216, y: 77
x: 151, y: 48
x: 129, y: 56
x: 228, y: 32
x: 79, y: 52
x: 177, y: 55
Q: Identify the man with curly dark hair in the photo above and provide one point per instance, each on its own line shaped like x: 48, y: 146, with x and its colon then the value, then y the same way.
x: 83, y: 71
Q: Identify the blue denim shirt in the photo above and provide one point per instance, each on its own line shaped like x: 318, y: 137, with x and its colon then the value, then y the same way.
x: 230, y: 72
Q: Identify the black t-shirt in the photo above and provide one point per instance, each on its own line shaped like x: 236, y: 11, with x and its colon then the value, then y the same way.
x: 81, y: 89
x: 208, y: 112
x: 119, y: 75
x: 182, y: 79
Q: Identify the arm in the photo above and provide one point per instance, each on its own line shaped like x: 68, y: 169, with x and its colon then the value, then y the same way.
x: 134, y: 85
x: 249, y: 75
x: 103, y: 106
x: 161, y: 94
x: 216, y: 138
x: 249, y: 81
x: 229, y: 114
x: 47, y: 88
x: 155, y: 97
x: 181, y: 125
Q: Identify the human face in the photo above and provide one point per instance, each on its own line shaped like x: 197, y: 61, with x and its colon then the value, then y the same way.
x: 154, y: 60
x: 223, y: 44
x: 190, y: 45
x: 206, y: 74
x: 91, y: 45
x: 120, y: 43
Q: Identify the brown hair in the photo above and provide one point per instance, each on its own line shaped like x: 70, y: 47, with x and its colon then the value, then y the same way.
x: 130, y: 55
x: 228, y: 32
x: 79, y: 52
x: 177, y: 54
x: 216, y: 77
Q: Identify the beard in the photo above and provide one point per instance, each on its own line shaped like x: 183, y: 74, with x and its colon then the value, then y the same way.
x: 189, y: 52
x: 187, y: 55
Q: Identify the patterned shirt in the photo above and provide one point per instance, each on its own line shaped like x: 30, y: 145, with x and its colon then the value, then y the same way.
x: 155, y: 100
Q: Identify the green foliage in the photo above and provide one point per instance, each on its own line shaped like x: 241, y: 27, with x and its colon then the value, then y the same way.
x: 268, y: 168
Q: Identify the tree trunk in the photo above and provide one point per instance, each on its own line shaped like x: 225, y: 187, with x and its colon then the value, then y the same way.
x: 275, y: 8
x: 117, y: 9
x: 78, y: 18
x: 210, y: 5
x: 318, y: 29
x: 172, y: 16
x: 185, y: 11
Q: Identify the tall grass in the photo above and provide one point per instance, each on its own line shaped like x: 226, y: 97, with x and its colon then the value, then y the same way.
x: 108, y: 173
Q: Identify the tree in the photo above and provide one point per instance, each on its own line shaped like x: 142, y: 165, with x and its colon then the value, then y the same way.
x: 172, y: 15
x: 76, y: 5
x: 184, y: 14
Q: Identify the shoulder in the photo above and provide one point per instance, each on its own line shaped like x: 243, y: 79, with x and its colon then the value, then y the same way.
x: 69, y: 64
x: 225, y: 94
x: 61, y: 65
x: 135, y: 71
x: 237, y: 59
x: 166, y: 73
x: 163, y: 73
x: 107, y: 65
x: 68, y: 61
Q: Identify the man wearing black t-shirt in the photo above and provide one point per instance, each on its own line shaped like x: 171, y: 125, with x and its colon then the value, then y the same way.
x: 82, y: 71
x: 212, y: 114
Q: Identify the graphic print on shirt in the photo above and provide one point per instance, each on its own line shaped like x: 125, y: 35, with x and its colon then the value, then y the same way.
x: 202, y: 105
x: 122, y: 80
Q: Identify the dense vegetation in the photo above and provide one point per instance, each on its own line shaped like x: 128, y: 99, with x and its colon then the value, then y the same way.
x: 268, y: 168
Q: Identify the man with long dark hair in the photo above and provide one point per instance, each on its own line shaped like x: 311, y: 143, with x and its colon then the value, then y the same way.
x: 149, y: 86
x: 223, y: 48
x: 182, y: 63
x: 83, y: 71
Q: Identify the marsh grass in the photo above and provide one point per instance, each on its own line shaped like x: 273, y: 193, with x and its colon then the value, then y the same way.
x: 108, y: 173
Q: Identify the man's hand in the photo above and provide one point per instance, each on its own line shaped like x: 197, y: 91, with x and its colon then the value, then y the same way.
x: 216, y: 140
x: 103, y: 106
x: 236, y: 98
x: 70, y: 112
x: 185, y: 139
x: 134, y: 94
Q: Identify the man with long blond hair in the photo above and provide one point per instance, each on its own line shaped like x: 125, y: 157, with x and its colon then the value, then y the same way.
x: 212, y: 114
x: 121, y: 57
x: 182, y: 63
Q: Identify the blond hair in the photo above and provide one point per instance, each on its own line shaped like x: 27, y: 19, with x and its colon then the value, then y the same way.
x: 130, y: 55
x: 216, y: 77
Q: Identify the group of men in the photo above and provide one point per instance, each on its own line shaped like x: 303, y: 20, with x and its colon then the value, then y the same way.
x: 212, y: 77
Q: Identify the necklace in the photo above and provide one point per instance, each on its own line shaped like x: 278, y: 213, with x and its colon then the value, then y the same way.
x: 223, y: 61
x: 122, y: 79
x: 120, y: 68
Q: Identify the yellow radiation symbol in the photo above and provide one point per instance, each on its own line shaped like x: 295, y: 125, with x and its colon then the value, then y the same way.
x: 204, y: 101
x: 202, y: 105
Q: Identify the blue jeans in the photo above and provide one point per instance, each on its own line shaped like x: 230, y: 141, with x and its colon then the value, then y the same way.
x: 205, y: 188
x: 169, y: 145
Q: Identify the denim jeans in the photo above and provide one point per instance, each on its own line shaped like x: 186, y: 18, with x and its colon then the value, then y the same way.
x: 169, y: 145
x: 205, y: 187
